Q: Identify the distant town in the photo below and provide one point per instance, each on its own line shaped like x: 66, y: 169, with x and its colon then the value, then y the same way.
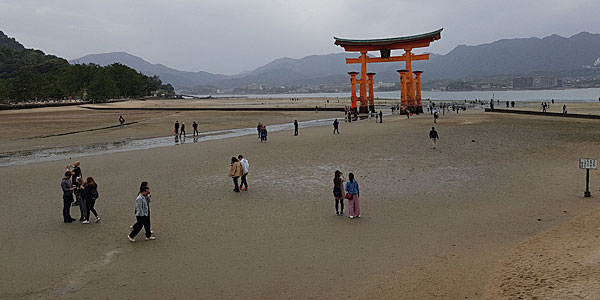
x: 476, y: 84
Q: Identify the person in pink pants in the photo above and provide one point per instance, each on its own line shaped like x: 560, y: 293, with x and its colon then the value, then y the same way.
x: 353, y: 202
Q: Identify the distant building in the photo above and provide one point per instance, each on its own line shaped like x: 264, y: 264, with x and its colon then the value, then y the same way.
x: 559, y: 83
x: 523, y: 83
x: 384, y: 85
x: 545, y: 82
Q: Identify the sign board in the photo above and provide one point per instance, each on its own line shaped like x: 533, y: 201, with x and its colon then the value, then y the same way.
x: 588, y: 163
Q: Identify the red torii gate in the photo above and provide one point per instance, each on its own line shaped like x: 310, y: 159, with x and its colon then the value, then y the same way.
x: 410, y: 94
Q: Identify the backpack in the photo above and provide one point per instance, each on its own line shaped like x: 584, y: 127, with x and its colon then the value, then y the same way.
x: 95, y: 194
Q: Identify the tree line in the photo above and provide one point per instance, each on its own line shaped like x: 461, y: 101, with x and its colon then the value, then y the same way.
x: 32, y: 75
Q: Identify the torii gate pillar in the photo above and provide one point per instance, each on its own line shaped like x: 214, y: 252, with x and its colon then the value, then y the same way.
x: 353, y: 84
x: 371, y: 93
x: 403, y: 88
x: 419, y: 105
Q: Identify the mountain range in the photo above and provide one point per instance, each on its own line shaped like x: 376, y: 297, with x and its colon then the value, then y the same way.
x: 509, y: 57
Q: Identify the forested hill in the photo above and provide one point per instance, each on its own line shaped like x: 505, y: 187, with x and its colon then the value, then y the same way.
x: 27, y: 74
x: 9, y: 43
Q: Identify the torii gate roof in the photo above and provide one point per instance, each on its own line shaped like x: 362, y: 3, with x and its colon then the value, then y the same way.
x: 413, y: 41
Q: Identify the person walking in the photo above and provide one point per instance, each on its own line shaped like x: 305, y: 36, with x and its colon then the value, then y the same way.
x: 67, y: 188
x: 295, y: 127
x: 235, y: 171
x: 195, y: 127
x: 142, y: 216
x: 176, y: 128
x: 121, y: 121
x: 182, y: 132
x: 245, y: 166
x: 143, y: 185
x: 564, y: 109
x: 436, y: 115
x: 380, y: 117
x: 433, y: 135
x: 90, y: 194
x: 336, y: 125
x: 338, y: 192
x: 352, y: 194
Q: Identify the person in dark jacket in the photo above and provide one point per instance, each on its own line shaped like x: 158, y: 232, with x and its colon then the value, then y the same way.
x: 295, y: 127
x: 75, y: 175
x: 338, y: 192
x: 263, y: 134
x: 82, y: 203
x: 433, y: 135
x: 336, y: 125
x: 195, y: 127
x: 67, y: 188
x: 90, y: 194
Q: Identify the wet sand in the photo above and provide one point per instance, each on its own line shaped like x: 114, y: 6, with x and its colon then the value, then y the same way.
x: 435, y: 224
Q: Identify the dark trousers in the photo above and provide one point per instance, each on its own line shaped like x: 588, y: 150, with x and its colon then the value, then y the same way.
x: 195, y: 131
x: 67, y: 201
x: 90, y: 207
x: 339, y: 202
x: 142, y: 221
x: 244, y: 182
x: 235, y: 182
x: 296, y: 131
x: 335, y: 129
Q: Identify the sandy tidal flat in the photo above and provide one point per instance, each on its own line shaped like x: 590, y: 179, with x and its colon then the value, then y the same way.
x: 435, y: 222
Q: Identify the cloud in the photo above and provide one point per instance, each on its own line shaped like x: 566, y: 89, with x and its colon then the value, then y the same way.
x: 228, y: 36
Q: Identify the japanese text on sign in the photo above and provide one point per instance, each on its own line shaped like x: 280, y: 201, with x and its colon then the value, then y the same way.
x: 588, y: 163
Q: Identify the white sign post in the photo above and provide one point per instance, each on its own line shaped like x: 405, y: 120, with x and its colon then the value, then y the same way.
x: 587, y: 164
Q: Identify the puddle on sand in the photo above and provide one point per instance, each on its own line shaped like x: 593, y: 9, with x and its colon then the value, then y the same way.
x: 36, y: 156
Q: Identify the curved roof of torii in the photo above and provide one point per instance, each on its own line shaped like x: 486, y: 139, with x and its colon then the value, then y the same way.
x: 420, y: 40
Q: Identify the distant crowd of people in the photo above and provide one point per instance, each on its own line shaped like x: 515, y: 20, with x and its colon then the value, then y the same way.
x: 179, y: 129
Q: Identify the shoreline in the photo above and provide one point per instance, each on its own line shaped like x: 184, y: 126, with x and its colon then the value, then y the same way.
x: 54, y: 154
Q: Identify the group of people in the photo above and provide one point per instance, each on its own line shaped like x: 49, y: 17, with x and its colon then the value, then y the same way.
x: 85, y: 192
x: 77, y: 192
x: 239, y: 168
x: 545, y: 106
x: 262, y: 132
x: 349, y: 191
x: 179, y: 130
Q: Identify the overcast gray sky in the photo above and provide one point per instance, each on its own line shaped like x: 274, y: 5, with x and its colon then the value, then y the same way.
x: 230, y: 36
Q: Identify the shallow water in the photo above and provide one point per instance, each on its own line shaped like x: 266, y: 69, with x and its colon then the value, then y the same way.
x: 36, y: 156
x: 588, y: 94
